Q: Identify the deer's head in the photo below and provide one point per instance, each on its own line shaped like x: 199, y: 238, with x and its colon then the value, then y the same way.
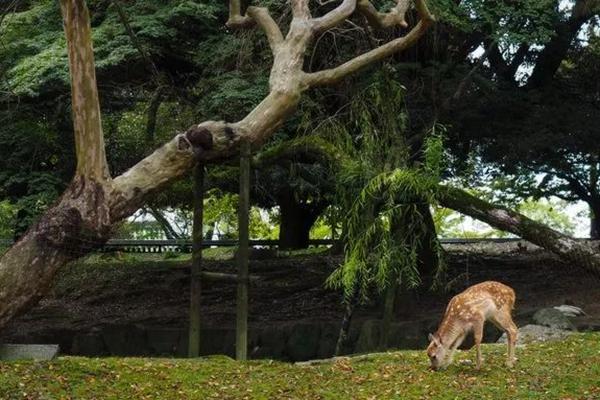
x: 437, y: 353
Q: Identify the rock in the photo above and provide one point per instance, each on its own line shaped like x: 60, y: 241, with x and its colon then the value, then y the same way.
x: 28, y: 351
x: 570, y: 311
x: 553, y: 318
x: 537, y: 333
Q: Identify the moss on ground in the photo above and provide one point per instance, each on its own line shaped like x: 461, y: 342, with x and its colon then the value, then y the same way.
x: 558, y: 370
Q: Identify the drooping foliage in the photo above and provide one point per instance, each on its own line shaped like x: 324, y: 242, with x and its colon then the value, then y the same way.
x: 381, y: 192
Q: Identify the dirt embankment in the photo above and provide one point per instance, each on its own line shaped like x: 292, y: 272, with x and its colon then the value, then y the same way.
x: 88, y: 297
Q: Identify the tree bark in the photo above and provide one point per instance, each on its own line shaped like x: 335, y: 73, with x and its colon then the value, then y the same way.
x: 342, y: 341
x: 78, y: 224
x: 576, y: 253
x: 89, y: 139
x: 296, y: 220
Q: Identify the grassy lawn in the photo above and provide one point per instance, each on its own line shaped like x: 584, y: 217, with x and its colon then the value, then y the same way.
x: 559, y: 370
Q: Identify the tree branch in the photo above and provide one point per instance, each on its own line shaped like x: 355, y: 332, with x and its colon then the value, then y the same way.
x: 300, y: 9
x: 334, y: 17
x: 89, y: 139
x: 261, y: 17
x: 331, y: 76
x: 467, y: 79
x: 517, y: 60
x: 236, y: 19
x: 395, y: 17
x: 556, y: 49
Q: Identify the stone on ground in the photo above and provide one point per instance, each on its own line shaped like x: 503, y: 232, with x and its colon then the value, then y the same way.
x: 28, y: 351
x: 537, y: 333
x: 553, y: 318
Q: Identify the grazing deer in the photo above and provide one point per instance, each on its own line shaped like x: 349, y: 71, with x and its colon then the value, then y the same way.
x: 467, y: 312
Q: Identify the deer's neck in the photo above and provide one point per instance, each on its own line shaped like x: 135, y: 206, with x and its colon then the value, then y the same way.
x: 449, y: 332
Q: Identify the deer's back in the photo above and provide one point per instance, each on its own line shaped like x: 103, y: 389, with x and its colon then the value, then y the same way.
x: 489, y: 291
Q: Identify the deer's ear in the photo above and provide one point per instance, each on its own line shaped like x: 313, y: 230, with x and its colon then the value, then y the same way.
x: 435, y: 339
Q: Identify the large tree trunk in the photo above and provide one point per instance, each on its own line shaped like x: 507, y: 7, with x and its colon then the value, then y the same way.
x: 576, y: 253
x: 296, y: 220
x: 77, y: 224
x: 82, y: 219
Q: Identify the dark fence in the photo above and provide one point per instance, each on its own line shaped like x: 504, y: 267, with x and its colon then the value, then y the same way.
x: 185, y: 246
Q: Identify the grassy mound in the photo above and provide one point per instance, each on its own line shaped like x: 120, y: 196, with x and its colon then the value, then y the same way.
x: 558, y: 370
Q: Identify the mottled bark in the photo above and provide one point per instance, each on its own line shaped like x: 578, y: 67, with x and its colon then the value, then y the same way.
x: 89, y: 139
x: 576, y: 253
x: 78, y: 224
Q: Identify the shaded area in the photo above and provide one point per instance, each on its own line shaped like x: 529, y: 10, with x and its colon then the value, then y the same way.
x: 136, y: 307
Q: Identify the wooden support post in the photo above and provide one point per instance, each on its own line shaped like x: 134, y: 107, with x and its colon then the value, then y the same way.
x: 196, y: 269
x: 241, y: 334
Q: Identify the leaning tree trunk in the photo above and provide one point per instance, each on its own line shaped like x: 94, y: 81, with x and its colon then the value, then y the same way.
x: 164, y: 223
x: 82, y: 219
x: 578, y: 253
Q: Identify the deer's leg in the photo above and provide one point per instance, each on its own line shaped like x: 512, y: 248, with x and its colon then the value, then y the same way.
x: 504, y: 321
x: 478, y: 336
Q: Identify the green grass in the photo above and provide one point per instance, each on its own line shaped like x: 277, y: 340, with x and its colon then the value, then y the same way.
x: 558, y: 370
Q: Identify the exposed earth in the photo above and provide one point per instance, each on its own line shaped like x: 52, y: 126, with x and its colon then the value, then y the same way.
x: 138, y: 304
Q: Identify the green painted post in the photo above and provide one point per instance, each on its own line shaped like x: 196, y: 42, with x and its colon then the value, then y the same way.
x: 241, y: 334
x: 196, y: 269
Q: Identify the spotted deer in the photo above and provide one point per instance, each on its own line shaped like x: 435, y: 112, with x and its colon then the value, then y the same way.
x: 466, y: 313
